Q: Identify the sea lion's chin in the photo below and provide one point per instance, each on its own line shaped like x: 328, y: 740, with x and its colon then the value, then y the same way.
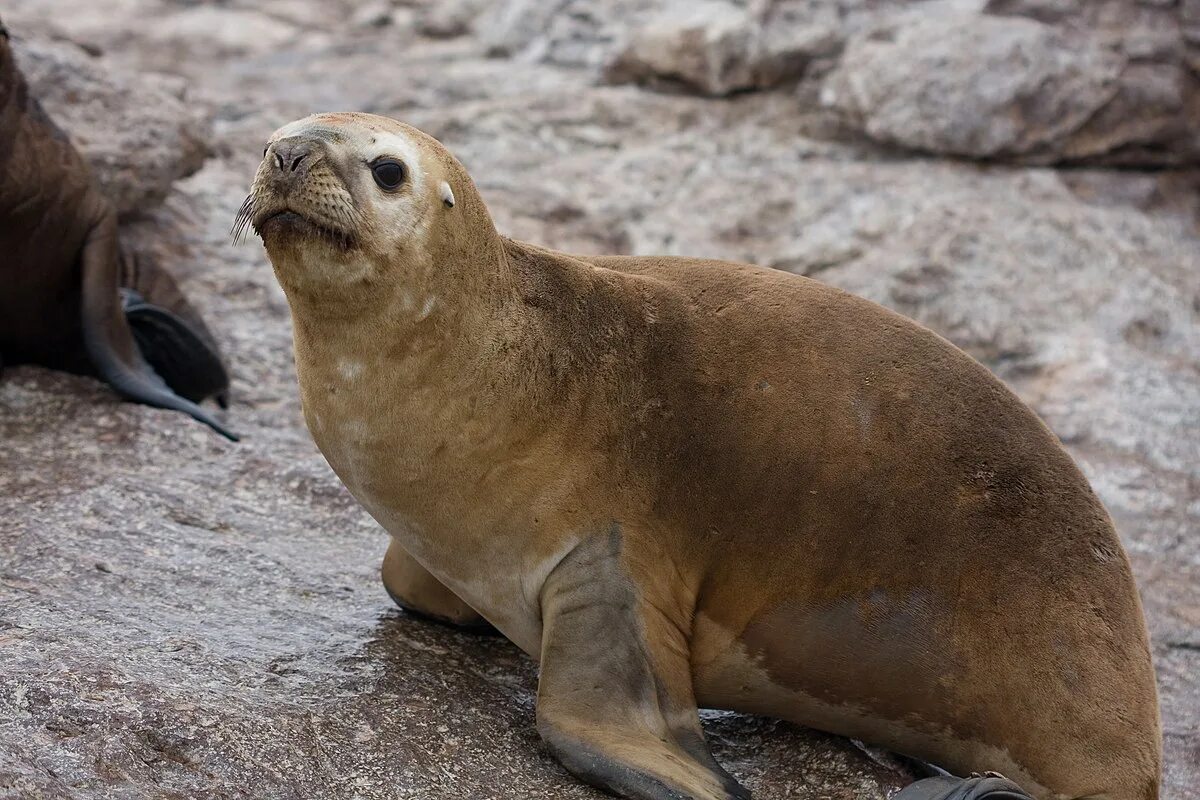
x: 308, y: 263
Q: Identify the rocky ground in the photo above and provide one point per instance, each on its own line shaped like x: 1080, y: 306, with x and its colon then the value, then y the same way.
x: 185, y: 617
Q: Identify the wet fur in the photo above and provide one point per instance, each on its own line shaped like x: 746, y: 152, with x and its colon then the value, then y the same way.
x: 829, y: 513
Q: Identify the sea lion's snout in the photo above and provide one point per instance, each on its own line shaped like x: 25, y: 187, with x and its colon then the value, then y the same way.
x: 299, y: 193
x: 288, y: 160
x: 287, y: 156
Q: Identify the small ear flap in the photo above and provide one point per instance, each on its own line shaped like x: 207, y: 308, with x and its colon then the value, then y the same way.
x: 447, y: 195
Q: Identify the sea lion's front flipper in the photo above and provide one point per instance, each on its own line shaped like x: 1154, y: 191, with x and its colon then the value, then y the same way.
x: 416, y: 591
x: 106, y: 334
x: 615, y: 699
x: 990, y: 786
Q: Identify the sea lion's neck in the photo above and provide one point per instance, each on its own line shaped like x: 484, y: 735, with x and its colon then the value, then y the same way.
x: 428, y: 309
x: 408, y: 397
x: 446, y: 376
x: 421, y: 416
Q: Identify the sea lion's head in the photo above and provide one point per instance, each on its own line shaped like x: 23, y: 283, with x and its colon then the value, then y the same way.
x: 347, y: 201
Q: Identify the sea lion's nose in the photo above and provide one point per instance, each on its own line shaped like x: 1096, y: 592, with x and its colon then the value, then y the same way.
x: 292, y: 155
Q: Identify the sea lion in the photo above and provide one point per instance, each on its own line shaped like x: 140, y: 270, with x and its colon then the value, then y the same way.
x: 61, y: 278
x: 680, y: 482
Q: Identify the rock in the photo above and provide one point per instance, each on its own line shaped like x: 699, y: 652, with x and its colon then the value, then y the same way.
x: 450, y: 18
x: 378, y: 14
x: 716, y: 48
x: 774, y: 40
x: 139, y: 133
x: 1037, y: 81
x: 976, y: 86
x: 518, y: 26
x: 569, y: 33
x: 1189, y: 13
x: 1154, y: 119
x: 222, y: 30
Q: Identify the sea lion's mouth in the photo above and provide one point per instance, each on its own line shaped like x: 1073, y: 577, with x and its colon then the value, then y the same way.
x: 290, y: 223
x: 286, y: 221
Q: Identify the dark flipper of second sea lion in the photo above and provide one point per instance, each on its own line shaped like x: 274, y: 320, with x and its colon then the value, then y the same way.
x: 108, y: 338
x: 170, y: 333
x: 175, y: 350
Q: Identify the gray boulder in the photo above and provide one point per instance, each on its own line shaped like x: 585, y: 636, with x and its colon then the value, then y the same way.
x: 716, y: 48
x: 1036, y: 81
x: 1154, y: 119
x: 975, y: 86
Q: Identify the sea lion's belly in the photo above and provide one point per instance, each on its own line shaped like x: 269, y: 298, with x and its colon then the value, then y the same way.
x: 873, y: 695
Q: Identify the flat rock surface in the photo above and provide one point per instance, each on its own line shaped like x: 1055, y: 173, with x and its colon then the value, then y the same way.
x: 185, y: 617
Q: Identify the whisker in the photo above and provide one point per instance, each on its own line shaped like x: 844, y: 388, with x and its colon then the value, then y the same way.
x: 241, y: 220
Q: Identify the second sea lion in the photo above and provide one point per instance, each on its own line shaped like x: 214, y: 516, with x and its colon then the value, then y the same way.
x: 63, y: 267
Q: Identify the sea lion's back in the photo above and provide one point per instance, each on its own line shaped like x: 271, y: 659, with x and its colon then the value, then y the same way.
x: 881, y: 492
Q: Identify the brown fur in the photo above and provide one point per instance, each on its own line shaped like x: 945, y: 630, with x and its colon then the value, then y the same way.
x: 813, y: 507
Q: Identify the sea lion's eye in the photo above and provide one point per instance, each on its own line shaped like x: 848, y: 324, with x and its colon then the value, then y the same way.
x: 388, y: 174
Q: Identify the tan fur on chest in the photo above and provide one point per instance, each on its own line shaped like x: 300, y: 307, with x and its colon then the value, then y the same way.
x: 443, y: 470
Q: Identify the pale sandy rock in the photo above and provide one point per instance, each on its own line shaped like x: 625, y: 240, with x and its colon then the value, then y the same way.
x: 221, y: 30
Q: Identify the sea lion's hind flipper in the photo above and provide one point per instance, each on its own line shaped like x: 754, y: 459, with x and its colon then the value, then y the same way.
x: 989, y: 786
x: 106, y: 335
x: 177, y: 352
x: 615, y: 700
